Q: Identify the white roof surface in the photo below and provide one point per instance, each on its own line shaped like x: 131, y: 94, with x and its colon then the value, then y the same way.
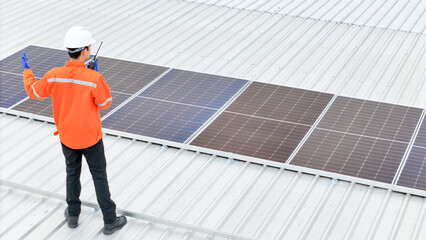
x: 365, y: 49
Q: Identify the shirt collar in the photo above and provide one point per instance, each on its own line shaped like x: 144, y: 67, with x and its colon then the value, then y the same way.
x: 74, y: 64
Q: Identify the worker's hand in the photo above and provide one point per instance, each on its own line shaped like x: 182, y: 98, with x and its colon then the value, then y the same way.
x: 93, y: 66
x: 25, y: 61
x: 96, y: 66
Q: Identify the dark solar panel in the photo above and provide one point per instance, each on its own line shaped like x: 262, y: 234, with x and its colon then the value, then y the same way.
x: 265, y: 121
x: 160, y: 119
x: 353, y: 155
x: 413, y: 174
x: 360, y: 138
x: 193, y: 88
x: 421, y: 135
x: 252, y: 136
x: 40, y: 107
x: 11, y: 89
x: 374, y: 119
x: 281, y: 103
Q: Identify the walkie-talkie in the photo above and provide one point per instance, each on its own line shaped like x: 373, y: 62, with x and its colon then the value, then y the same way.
x: 92, y: 62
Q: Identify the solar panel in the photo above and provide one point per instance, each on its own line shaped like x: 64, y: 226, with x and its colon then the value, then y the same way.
x: 374, y: 119
x: 421, y: 135
x: 265, y: 121
x: 193, y: 88
x: 360, y: 138
x: 175, y: 106
x: 414, y: 171
x: 128, y: 77
x: 351, y: 154
x: 160, y: 119
x: 40, y: 59
x: 11, y: 89
x: 40, y: 107
x: 252, y: 136
x: 280, y: 103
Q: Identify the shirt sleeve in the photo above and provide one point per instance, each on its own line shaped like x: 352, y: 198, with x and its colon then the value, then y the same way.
x: 102, y: 94
x: 36, y: 89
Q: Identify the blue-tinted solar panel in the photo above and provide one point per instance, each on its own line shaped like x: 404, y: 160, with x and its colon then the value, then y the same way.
x: 193, y: 88
x: 11, y: 89
x: 153, y: 118
x: 414, y: 172
x: 40, y: 59
x: 421, y: 135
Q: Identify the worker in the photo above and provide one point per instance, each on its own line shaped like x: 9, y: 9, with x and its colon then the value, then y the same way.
x: 78, y: 93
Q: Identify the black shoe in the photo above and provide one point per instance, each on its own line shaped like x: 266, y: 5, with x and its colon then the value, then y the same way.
x: 72, y: 221
x: 116, y: 225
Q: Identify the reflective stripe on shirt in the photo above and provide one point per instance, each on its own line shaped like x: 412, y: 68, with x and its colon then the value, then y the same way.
x: 34, y: 91
x: 103, y: 104
x: 65, y: 80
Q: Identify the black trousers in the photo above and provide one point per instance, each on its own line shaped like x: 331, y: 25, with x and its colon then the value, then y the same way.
x: 96, y: 161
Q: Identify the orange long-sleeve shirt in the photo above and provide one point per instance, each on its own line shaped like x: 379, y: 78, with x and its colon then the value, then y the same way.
x: 77, y: 95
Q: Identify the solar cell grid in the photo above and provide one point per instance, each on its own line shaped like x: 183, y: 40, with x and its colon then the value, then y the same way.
x: 40, y: 107
x: 40, y: 59
x: 421, y: 135
x: 353, y: 155
x: 160, y: 119
x: 193, y: 88
x: 360, y: 138
x: 280, y: 103
x: 11, y: 89
x: 370, y: 118
x: 265, y: 121
x: 128, y: 77
x: 413, y: 174
x: 117, y: 99
x: 257, y: 137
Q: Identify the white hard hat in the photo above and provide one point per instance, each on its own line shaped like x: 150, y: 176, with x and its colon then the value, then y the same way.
x: 77, y: 37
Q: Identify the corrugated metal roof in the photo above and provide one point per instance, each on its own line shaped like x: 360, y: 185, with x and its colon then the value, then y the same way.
x: 393, y: 14
x: 364, y: 49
